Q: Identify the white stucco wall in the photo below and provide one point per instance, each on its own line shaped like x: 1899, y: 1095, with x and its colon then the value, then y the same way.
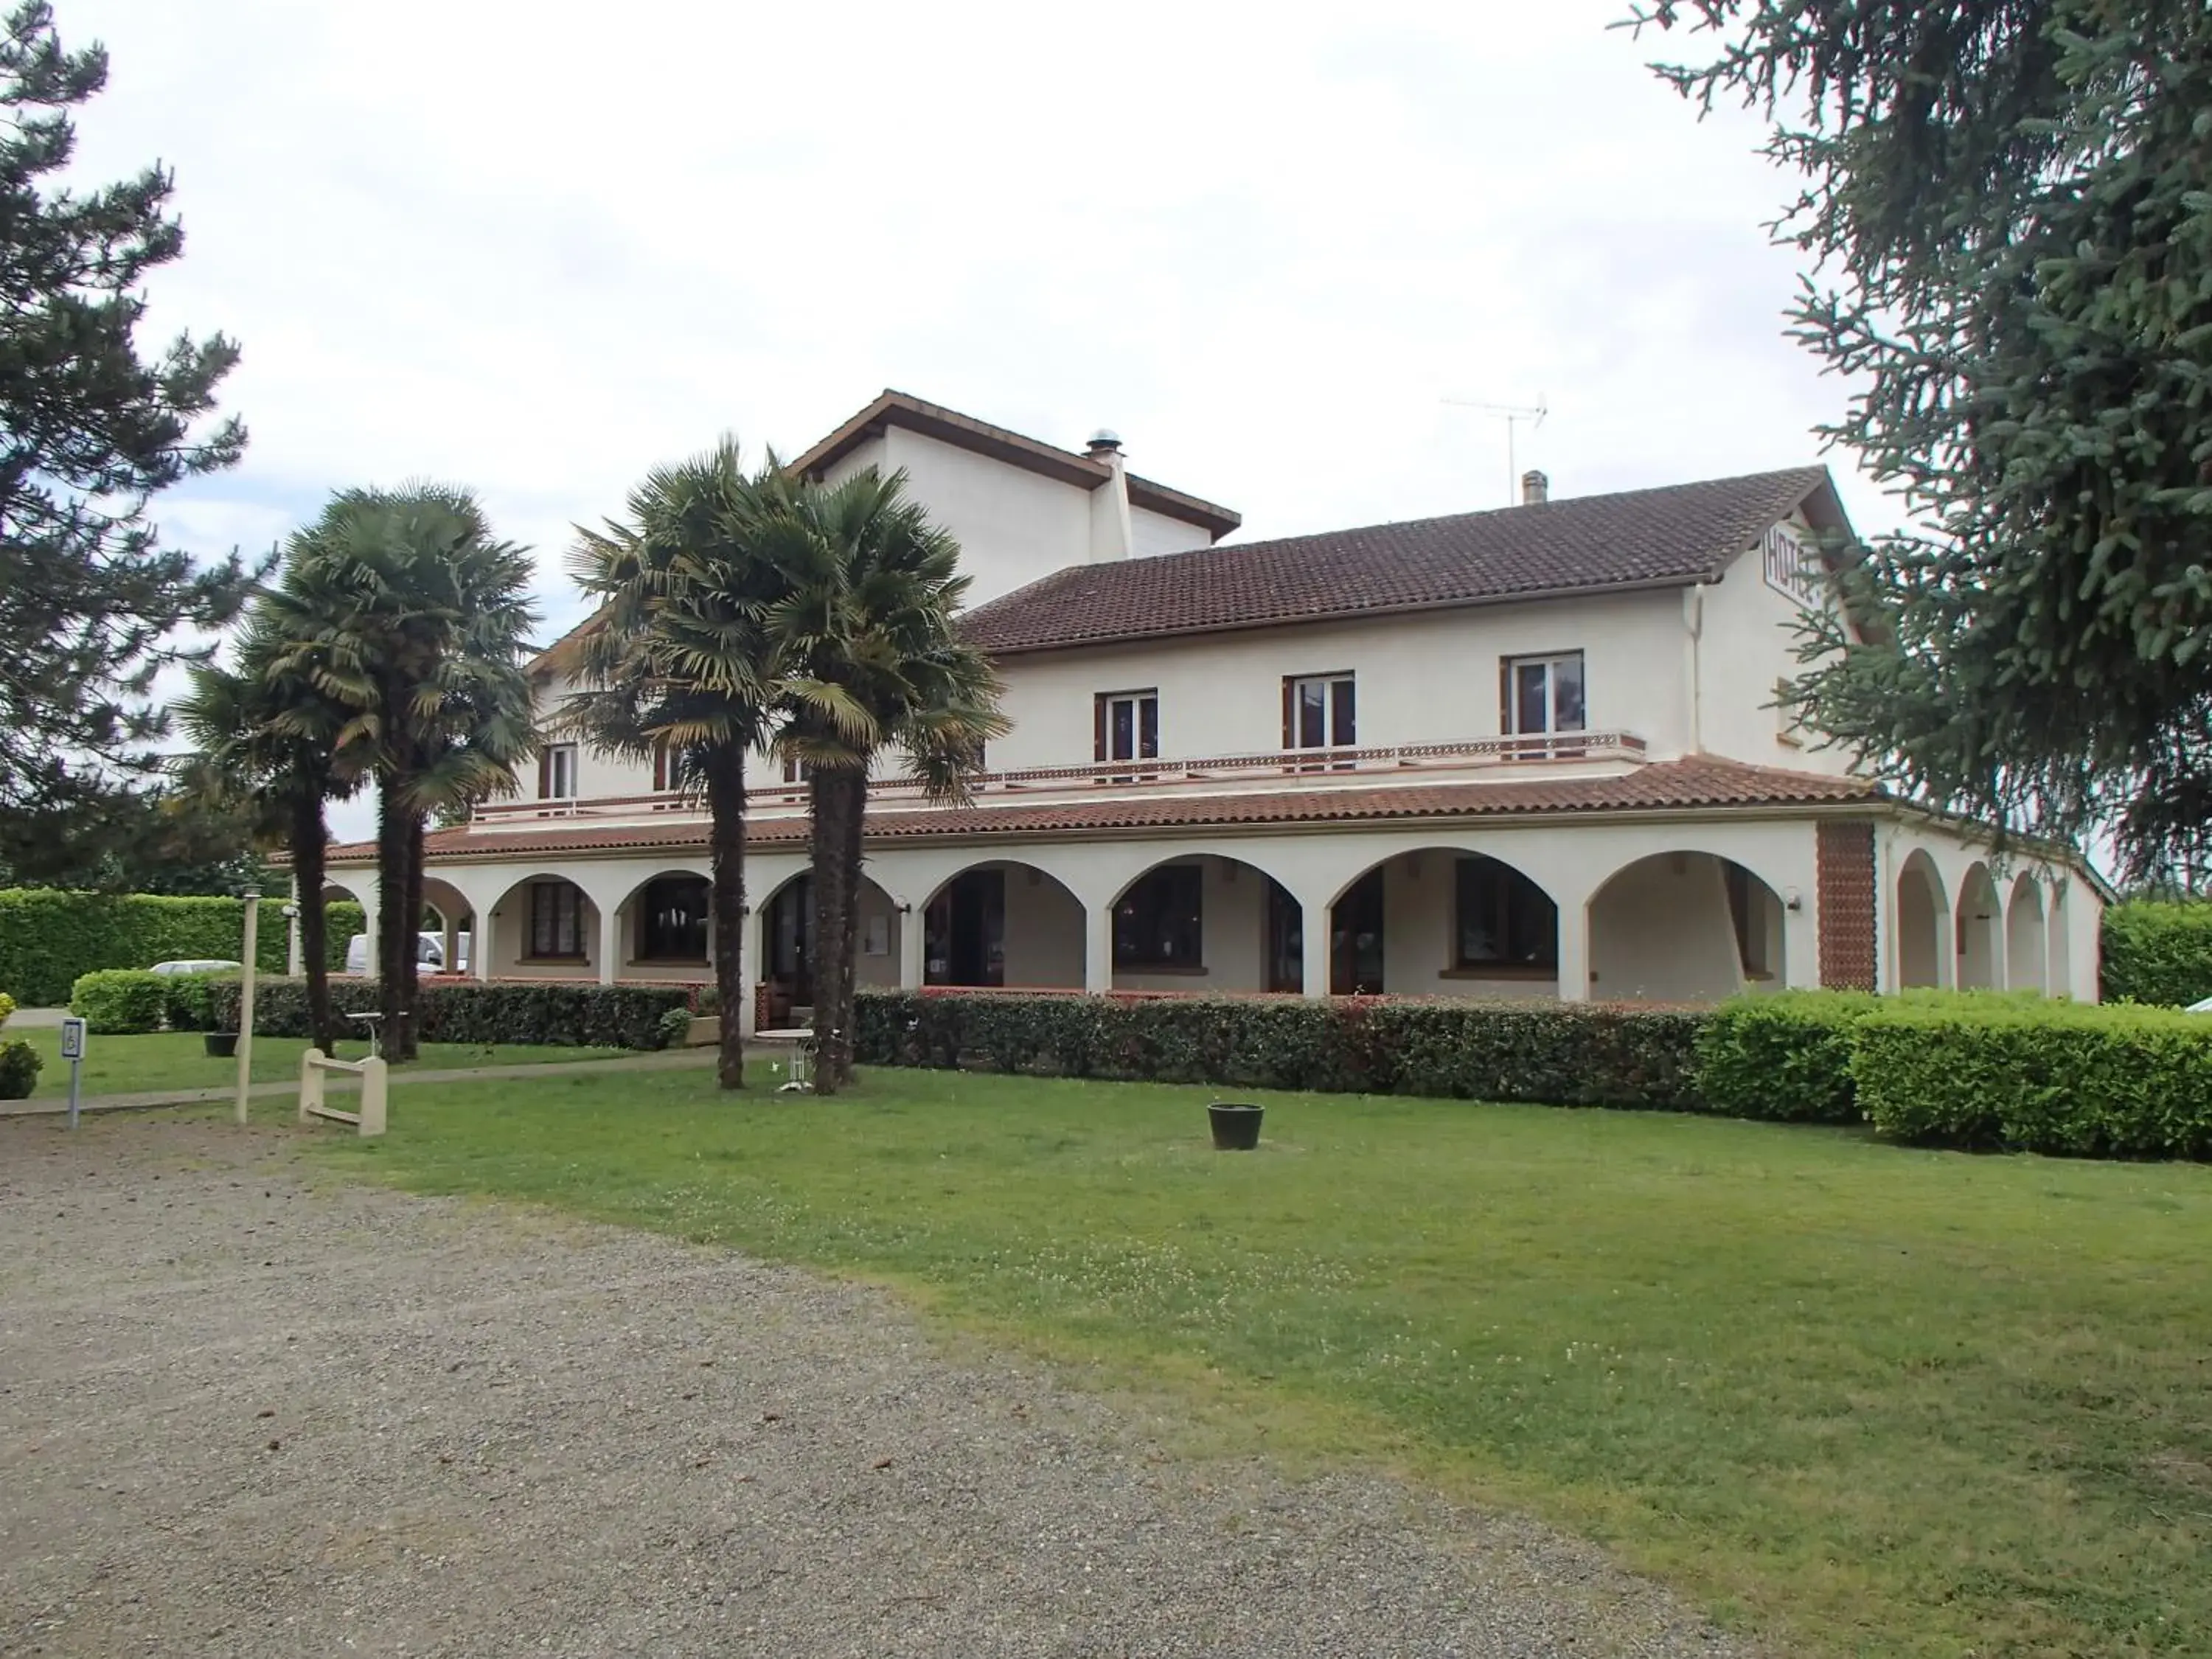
x: 1044, y: 932
x: 1013, y: 525
x: 1428, y: 678
x: 1154, y: 533
x: 1747, y: 647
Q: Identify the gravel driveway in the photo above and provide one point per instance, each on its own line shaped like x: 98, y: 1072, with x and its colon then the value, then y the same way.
x: 240, y: 1413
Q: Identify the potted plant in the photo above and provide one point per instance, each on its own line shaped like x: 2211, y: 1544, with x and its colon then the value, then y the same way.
x: 1236, y: 1124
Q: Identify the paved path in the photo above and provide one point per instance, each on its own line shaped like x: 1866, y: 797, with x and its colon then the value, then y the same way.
x: 247, y: 1409
x: 47, y: 1106
x: 35, y: 1018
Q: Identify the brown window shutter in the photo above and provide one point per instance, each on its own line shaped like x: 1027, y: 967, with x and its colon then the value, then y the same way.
x: 1290, y: 713
x: 659, y: 766
x: 1098, y: 726
x: 1505, y: 695
x: 545, y: 774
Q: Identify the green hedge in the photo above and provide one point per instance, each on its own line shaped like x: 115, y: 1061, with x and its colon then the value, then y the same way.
x: 1786, y: 1056
x: 581, y: 1016
x: 1567, y: 1055
x: 2082, y: 1082
x: 120, y: 1001
x: 49, y: 940
x: 2157, y: 952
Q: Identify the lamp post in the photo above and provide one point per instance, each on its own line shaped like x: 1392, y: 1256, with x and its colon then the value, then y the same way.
x: 246, y: 1002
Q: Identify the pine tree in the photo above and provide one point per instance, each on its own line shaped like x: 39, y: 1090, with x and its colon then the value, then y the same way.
x: 2010, y: 204
x: 89, y: 432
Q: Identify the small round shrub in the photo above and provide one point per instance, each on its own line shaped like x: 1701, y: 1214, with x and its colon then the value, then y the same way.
x: 119, y: 1001
x: 675, y: 1028
x: 7, y: 1007
x: 19, y: 1069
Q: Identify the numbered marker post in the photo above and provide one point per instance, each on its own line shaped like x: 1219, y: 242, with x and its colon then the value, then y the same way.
x: 73, y: 1034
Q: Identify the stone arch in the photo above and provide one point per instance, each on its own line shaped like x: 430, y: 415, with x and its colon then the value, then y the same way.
x: 1924, y: 924
x: 1003, y: 922
x: 1447, y: 919
x: 664, y: 926
x: 557, y: 936
x: 784, y: 945
x: 1978, y: 931
x: 1686, y: 925
x: 2026, y: 943
x: 1206, y: 921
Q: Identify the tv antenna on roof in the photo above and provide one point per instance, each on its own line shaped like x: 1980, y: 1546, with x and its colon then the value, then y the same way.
x: 1512, y: 414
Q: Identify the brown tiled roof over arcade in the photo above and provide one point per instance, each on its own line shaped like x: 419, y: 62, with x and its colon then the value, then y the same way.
x: 1700, y: 782
x: 1644, y: 538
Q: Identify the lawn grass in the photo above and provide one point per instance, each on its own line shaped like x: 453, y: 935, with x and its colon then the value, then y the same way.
x: 179, y: 1060
x: 1860, y: 1399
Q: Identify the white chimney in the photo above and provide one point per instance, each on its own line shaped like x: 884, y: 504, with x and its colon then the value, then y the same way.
x: 1111, y: 534
x: 1535, y: 489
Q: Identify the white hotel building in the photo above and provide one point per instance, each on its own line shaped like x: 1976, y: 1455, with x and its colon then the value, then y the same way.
x: 1531, y: 753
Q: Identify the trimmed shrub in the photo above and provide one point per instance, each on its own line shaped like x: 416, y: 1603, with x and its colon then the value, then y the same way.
x: 188, y: 1001
x: 119, y: 1001
x: 1557, y: 1053
x: 20, y: 1065
x: 1785, y: 1056
x: 7, y: 1007
x: 2080, y: 1082
x: 2157, y: 952
x: 578, y: 1016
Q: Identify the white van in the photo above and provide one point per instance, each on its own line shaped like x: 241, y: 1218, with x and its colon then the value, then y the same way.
x: 429, y: 950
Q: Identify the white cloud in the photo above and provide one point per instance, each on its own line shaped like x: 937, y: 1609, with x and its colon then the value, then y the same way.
x: 540, y: 248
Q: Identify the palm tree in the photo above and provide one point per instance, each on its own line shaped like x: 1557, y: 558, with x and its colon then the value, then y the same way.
x: 680, y: 658
x: 870, y: 661
x: 403, y: 609
x: 267, y: 739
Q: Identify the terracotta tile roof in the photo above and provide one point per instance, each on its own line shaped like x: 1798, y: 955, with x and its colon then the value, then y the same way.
x: 1645, y: 537
x: 965, y: 432
x: 1701, y: 782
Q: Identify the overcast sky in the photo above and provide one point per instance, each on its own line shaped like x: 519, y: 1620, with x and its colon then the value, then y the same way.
x: 538, y: 248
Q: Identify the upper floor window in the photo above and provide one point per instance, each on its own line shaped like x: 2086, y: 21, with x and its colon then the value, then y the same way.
x: 1502, y: 919
x: 1541, y: 696
x: 1159, y: 923
x: 1320, y: 711
x: 1126, y: 725
x: 663, y: 768
x: 796, y: 770
x: 556, y: 772
x: 671, y: 922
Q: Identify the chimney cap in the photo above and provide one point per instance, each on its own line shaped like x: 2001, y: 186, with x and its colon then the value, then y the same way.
x: 1535, y: 488
x: 1103, y: 439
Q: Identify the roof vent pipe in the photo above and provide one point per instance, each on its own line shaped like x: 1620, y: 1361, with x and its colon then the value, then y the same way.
x: 1535, y: 489
x: 1104, y: 443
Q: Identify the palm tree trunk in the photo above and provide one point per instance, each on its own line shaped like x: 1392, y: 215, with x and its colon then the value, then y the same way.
x: 410, y: 958
x: 848, y: 954
x: 833, y: 906
x: 725, y: 767
x: 310, y: 843
x: 393, y: 931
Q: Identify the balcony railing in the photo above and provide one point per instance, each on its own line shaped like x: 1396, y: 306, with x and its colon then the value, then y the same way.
x: 1273, y: 767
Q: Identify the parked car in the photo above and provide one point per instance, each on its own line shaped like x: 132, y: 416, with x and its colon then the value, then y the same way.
x: 2203, y: 1007
x: 197, y: 965
x: 429, y: 951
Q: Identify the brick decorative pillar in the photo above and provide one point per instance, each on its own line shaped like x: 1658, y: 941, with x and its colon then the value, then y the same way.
x: 1847, y: 901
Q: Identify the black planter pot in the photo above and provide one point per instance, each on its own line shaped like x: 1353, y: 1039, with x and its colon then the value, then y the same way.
x: 1236, y: 1126
x: 221, y: 1045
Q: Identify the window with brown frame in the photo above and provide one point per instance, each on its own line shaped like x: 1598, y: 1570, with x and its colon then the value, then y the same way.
x: 664, y: 768
x: 1159, y: 923
x: 1126, y: 725
x: 672, y: 920
x: 556, y: 922
x: 556, y: 772
x: 1320, y: 711
x: 1503, y: 922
